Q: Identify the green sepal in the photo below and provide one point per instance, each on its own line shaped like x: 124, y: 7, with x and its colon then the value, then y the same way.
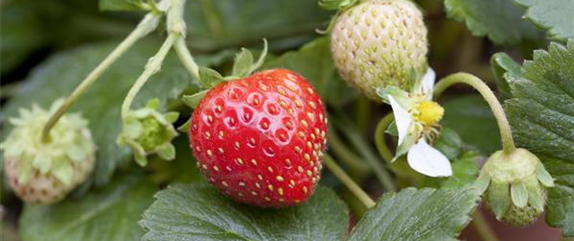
x: 140, y: 159
x: 499, y: 198
x: 185, y: 127
x: 336, y: 4
x: 261, y: 58
x: 209, y: 77
x: 167, y: 152
x: 407, y: 143
x: 171, y: 117
x: 131, y: 129
x: 152, y: 104
x: 392, y: 129
x: 519, y: 194
x: 193, y: 100
x: 401, y: 96
x: 64, y: 171
x: 482, y: 182
x: 544, y: 176
x: 244, y: 65
x: 536, y: 194
x: 25, y: 172
x: 243, y: 62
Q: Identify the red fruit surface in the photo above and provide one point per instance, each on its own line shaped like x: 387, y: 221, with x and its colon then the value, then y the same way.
x: 261, y: 139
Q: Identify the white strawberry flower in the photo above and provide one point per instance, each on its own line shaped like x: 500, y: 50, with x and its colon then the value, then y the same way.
x: 416, y: 118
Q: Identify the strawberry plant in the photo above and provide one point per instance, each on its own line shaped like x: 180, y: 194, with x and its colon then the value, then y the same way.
x: 287, y: 120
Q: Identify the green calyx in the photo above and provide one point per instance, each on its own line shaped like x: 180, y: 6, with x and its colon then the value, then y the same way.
x: 69, y: 142
x: 514, y: 186
x: 147, y: 131
x: 243, y: 66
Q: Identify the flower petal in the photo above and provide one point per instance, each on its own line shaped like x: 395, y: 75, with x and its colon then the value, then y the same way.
x: 429, y: 161
x: 403, y: 118
x: 428, y: 80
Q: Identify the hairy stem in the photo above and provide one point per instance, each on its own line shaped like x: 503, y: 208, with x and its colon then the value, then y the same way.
x: 148, y: 24
x: 380, y: 137
x: 176, y: 28
x: 152, y: 67
x: 348, y: 182
x: 186, y: 58
x: 505, y: 131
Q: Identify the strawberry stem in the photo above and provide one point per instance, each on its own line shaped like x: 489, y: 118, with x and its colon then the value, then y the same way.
x: 176, y: 28
x: 380, y: 137
x: 152, y: 67
x: 505, y: 130
x: 348, y: 182
x: 186, y: 58
x: 147, y: 25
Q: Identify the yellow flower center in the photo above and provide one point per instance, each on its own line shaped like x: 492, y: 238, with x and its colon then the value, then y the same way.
x: 429, y: 112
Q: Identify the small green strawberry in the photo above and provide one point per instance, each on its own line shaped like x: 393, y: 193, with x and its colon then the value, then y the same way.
x: 45, y: 171
x: 380, y: 43
x: 147, y: 131
x: 514, y: 186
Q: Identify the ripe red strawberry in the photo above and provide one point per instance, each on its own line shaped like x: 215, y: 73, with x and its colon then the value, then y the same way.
x: 261, y: 139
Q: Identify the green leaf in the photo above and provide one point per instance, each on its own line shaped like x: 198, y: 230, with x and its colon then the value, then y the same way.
x: 314, y: 62
x: 200, y: 212
x: 503, y: 64
x: 555, y: 15
x: 560, y: 204
x: 464, y: 171
x: 106, y: 214
x: 21, y: 34
x: 449, y: 143
x: 60, y: 74
x: 215, y: 24
x: 471, y: 117
x: 541, y: 114
x: 500, y: 20
x: 426, y: 214
x: 121, y: 5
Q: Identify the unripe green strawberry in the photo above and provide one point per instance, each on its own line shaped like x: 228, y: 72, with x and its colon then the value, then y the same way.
x: 44, y: 171
x: 514, y: 186
x: 147, y: 131
x: 378, y: 43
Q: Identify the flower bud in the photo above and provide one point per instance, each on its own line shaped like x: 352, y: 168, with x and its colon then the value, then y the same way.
x: 147, y: 131
x: 514, y: 186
